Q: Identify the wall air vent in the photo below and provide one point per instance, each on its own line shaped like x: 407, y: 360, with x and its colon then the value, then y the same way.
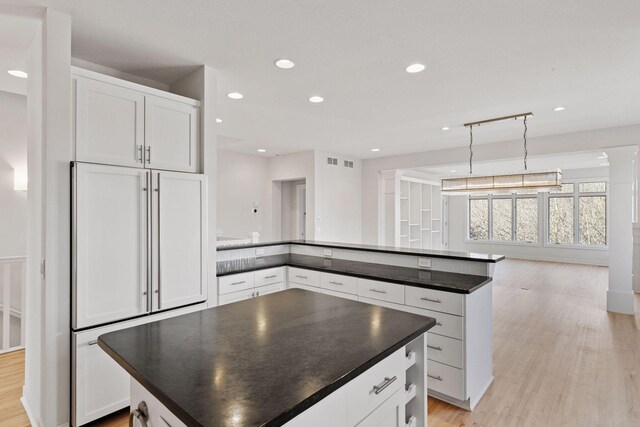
x: 332, y: 161
x: 348, y: 164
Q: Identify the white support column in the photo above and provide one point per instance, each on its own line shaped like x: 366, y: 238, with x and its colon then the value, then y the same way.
x: 620, y: 298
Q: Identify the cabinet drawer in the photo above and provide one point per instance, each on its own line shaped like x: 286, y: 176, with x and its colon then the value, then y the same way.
x: 383, y: 291
x: 268, y: 276
x: 445, y: 350
x: 235, y: 283
x: 337, y: 282
x: 340, y: 294
x: 446, y: 324
x: 369, y: 390
x: 305, y: 287
x: 304, y: 277
x: 446, y: 380
x: 236, y: 296
x: 445, y: 302
x: 269, y: 289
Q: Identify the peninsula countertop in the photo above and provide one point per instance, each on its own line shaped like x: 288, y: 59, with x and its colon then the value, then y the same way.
x: 434, y: 253
x: 431, y: 279
x: 261, y: 361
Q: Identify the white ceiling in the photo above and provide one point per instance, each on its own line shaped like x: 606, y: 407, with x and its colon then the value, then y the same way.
x: 17, y: 29
x: 483, y: 59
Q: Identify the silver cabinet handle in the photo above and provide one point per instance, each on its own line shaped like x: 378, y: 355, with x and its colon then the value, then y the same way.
x: 434, y: 348
x: 165, y: 421
x: 253, y: 294
x: 438, y: 324
x: 258, y: 293
x: 142, y: 414
x: 437, y: 301
x: 302, y: 277
x: 238, y: 283
x: 139, y: 153
x: 438, y: 378
x: 148, y: 156
x: 387, y: 381
x: 271, y: 277
x: 378, y: 291
x: 337, y: 283
x: 94, y: 342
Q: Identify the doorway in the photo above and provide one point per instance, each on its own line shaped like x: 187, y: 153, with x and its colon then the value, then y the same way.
x: 293, y: 209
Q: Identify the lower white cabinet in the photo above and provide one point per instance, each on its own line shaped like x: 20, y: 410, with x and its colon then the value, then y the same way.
x: 99, y: 385
x: 242, y: 286
x: 390, y: 414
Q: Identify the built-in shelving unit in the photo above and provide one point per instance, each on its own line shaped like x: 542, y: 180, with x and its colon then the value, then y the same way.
x: 420, y: 209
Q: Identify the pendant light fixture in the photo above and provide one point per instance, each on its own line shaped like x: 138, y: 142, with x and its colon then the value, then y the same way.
x: 524, y: 181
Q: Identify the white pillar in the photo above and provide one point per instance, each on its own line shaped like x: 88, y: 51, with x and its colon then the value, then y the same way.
x: 620, y: 298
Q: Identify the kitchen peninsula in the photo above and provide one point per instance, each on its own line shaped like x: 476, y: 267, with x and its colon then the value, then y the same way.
x: 296, y: 357
x: 455, y: 288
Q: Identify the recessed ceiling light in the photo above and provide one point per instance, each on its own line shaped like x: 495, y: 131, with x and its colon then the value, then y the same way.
x: 446, y: 128
x: 218, y: 120
x: 375, y: 150
x: 235, y: 95
x: 261, y: 150
x: 559, y: 108
x: 602, y: 157
x: 415, y: 68
x: 18, y: 73
x: 452, y: 170
x: 316, y: 99
x: 285, y: 64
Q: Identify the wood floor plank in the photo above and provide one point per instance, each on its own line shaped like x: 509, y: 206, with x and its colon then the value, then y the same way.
x: 560, y: 359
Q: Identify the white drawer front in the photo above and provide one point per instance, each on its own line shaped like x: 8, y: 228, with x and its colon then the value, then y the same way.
x: 446, y: 380
x: 236, y: 296
x: 445, y: 350
x: 337, y: 282
x: 235, y: 283
x: 269, y: 276
x: 445, y: 302
x: 383, y: 291
x: 304, y: 277
x: 269, y: 289
x: 305, y: 287
x: 340, y: 294
x: 446, y: 324
x: 369, y: 390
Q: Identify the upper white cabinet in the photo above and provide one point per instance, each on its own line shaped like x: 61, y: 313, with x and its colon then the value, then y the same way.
x: 180, y: 226
x: 110, y: 238
x: 109, y: 124
x: 126, y: 124
x: 171, y: 134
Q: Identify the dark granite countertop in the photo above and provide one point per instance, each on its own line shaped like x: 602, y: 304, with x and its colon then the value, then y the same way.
x: 432, y: 279
x: 261, y: 361
x: 433, y: 253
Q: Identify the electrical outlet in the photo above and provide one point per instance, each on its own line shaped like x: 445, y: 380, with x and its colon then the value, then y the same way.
x: 259, y: 251
x: 424, y: 262
x: 327, y: 253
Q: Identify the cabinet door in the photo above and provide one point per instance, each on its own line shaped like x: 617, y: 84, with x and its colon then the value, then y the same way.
x: 171, y: 134
x: 109, y: 123
x: 179, y: 239
x: 110, y: 231
x: 236, y: 296
x: 390, y: 414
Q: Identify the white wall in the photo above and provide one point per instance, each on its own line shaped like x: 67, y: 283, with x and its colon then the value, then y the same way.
x: 555, y: 144
x: 242, y: 181
x: 289, y: 209
x: 13, y: 154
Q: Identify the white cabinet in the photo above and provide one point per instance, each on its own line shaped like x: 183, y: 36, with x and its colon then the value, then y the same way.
x: 109, y: 122
x: 242, y: 286
x: 110, y: 237
x: 122, y: 123
x: 171, y: 134
x: 179, y: 240
x: 390, y: 414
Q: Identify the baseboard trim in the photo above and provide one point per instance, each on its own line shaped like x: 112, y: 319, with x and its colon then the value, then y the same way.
x: 620, y: 302
x: 464, y: 404
x: 28, y: 408
x: 481, y: 394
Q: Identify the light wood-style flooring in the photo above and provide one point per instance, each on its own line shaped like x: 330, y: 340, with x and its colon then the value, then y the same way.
x: 559, y: 358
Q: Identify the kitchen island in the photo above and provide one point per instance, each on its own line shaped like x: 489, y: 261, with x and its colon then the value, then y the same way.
x: 295, y: 357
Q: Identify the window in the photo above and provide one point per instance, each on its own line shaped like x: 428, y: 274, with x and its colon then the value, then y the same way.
x: 504, y: 217
x: 561, y: 220
x: 527, y: 219
x: 479, y: 219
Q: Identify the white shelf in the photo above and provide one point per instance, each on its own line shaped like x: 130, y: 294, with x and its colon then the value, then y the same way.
x: 410, y: 360
x: 404, y: 198
x: 426, y: 229
x: 404, y: 220
x: 414, y: 225
x: 412, y: 421
x: 404, y: 235
x: 414, y: 240
x: 425, y: 210
x: 410, y: 393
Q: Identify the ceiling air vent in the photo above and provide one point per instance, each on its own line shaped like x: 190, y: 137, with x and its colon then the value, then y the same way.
x: 348, y: 164
x: 332, y: 161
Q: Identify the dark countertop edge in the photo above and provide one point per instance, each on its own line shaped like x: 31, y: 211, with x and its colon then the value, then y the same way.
x: 290, y: 413
x: 492, y: 259
x: 365, y: 276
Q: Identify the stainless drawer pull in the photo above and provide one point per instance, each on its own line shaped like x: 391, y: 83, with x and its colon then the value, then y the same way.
x: 437, y: 301
x: 438, y: 378
x: 94, y: 342
x: 253, y: 294
x: 434, y: 348
x: 258, y: 293
x: 148, y: 157
x: 438, y: 324
x: 273, y: 276
x: 387, y: 381
x: 139, y: 156
x: 302, y: 277
x: 165, y: 421
x: 378, y: 291
x: 337, y: 283
x: 142, y: 414
x: 238, y: 283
